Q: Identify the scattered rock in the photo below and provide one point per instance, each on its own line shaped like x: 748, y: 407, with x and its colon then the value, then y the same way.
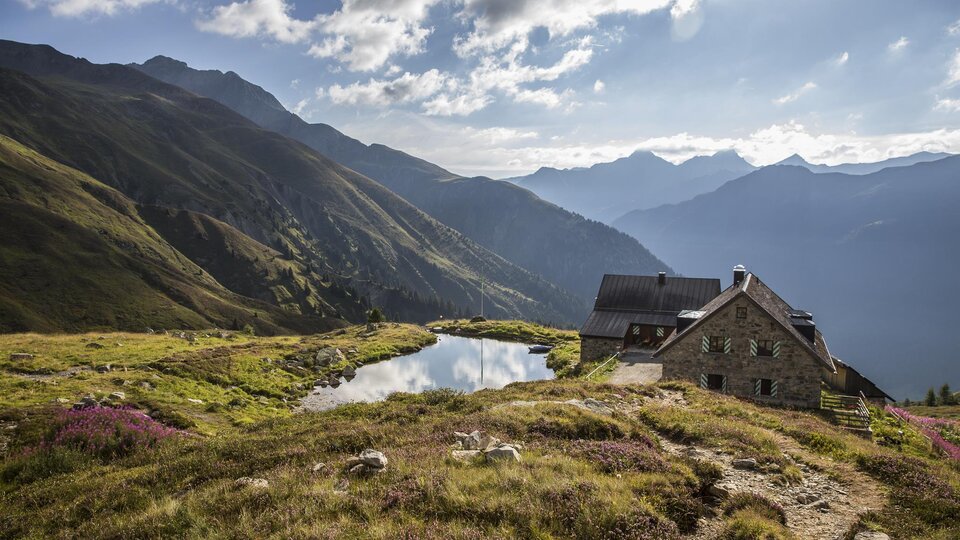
x: 259, y: 483
x: 195, y: 400
x: 807, y: 498
x: 465, y: 455
x: 319, y: 466
x: 471, y: 441
x: 104, y: 369
x: 373, y: 458
x: 146, y: 385
x: 117, y: 396
x: 871, y: 535
x: 502, y: 453
x: 747, y: 464
x: 349, y: 371
x: 61, y: 400
x: 352, y: 462
x: 718, y: 491
x: 85, y: 402
x: 94, y: 345
x: 821, y: 505
x: 20, y: 356
x: 487, y: 442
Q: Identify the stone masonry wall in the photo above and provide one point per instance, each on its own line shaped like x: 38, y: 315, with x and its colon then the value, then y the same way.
x: 796, y: 371
x: 596, y: 348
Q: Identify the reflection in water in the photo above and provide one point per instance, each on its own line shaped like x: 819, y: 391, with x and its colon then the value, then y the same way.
x: 461, y: 363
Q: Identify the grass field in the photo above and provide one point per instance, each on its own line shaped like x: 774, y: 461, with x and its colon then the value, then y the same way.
x: 583, y: 473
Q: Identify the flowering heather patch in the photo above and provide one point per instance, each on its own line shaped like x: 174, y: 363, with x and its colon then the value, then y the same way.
x: 944, y: 433
x: 106, y: 432
x: 621, y: 456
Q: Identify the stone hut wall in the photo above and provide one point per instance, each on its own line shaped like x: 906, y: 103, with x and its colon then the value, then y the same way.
x: 796, y: 371
x: 592, y: 348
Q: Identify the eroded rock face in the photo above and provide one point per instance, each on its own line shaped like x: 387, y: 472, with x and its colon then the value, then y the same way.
x: 328, y: 355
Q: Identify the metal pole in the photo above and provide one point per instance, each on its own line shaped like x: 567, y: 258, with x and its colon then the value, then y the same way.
x: 481, y: 296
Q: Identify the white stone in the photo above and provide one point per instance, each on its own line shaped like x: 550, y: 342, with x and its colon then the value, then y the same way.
x: 259, y: 483
x: 465, y: 455
x: 373, y: 458
x: 503, y: 453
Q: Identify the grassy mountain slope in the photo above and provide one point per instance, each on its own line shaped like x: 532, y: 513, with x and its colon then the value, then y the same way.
x: 871, y: 256
x: 655, y: 462
x: 77, y: 255
x: 163, y: 146
x: 563, y: 247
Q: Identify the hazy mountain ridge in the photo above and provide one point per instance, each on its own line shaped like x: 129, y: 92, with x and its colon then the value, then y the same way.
x: 163, y: 146
x: 871, y: 255
x: 641, y: 180
x: 563, y: 247
x: 864, y: 168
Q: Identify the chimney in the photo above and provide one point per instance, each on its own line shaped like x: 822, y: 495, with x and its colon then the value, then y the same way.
x: 739, y: 272
x: 662, y: 278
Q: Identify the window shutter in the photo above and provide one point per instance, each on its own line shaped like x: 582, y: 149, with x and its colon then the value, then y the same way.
x: 753, y: 349
x: 703, y: 380
x: 756, y: 387
x: 773, y: 388
x: 727, y: 342
x: 706, y: 344
x: 659, y: 331
x: 724, y: 388
x: 776, y: 349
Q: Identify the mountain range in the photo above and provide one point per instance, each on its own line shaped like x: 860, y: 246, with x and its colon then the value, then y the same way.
x: 864, y: 168
x: 564, y: 248
x: 265, y: 224
x: 606, y: 191
x: 873, y: 256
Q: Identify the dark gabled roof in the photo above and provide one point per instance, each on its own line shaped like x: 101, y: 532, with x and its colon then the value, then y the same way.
x: 614, y: 324
x: 768, y: 301
x: 644, y: 293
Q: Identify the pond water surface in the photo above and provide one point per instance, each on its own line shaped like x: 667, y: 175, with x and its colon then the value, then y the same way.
x: 461, y: 363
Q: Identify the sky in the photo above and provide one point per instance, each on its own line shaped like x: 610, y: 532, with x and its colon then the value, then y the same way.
x: 503, y: 87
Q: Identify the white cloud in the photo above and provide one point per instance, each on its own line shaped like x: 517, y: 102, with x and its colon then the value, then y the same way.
x: 842, y: 59
x: 462, y: 105
x: 365, y: 33
x: 257, y: 18
x: 406, y: 88
x: 953, y: 71
x: 300, y: 106
x: 954, y: 29
x: 947, y: 105
x: 899, y: 44
x: 497, y: 23
x: 795, y: 95
x: 79, y: 8
x: 295, y: 84
x: 599, y: 87
x: 498, y: 135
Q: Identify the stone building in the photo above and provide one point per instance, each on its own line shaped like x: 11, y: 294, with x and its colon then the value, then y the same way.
x: 640, y: 311
x: 748, y: 342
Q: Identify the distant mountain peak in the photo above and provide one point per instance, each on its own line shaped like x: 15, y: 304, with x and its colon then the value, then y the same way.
x: 166, y: 61
x: 794, y: 159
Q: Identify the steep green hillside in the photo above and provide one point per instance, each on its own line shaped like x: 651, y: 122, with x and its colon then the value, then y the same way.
x: 77, y: 255
x: 162, y: 146
x: 561, y: 246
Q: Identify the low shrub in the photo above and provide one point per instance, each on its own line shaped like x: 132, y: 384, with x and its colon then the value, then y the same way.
x: 750, y: 525
x: 105, y: 432
x: 757, y: 504
x: 621, y: 456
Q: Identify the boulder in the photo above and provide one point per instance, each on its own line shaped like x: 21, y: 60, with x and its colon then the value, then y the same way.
x: 487, y: 441
x: 94, y: 345
x: 871, y: 535
x: 86, y: 402
x: 807, y: 498
x: 503, y: 453
x: 465, y: 455
x: 195, y: 401
x: 718, y: 491
x: 319, y: 466
x: 328, y: 355
x: 349, y: 371
x: 471, y: 441
x: 747, y: 464
x: 373, y: 458
x: 117, y: 396
x: 104, y: 369
x: 20, y: 356
x: 258, y: 483
x: 352, y: 462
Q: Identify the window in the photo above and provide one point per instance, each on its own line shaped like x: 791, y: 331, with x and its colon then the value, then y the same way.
x: 765, y: 347
x: 741, y: 313
x: 715, y: 382
x: 765, y: 387
x: 717, y: 344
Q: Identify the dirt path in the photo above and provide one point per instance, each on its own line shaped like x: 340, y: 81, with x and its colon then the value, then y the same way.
x: 636, y: 368
x: 825, y: 505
